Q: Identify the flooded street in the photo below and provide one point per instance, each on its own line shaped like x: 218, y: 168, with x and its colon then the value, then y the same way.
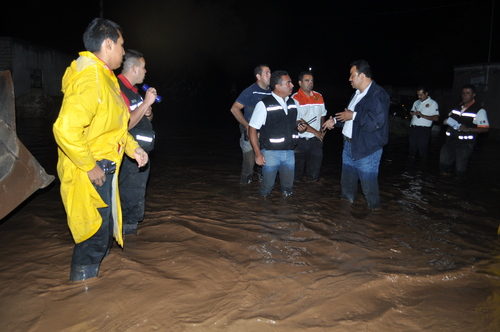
x: 213, y: 256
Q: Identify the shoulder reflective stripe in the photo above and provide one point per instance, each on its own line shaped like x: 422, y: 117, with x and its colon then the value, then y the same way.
x: 471, y: 115
x: 143, y: 138
x: 277, y: 140
x: 274, y: 108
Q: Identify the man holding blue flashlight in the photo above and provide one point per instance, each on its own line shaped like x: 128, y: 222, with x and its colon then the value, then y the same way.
x: 133, y: 180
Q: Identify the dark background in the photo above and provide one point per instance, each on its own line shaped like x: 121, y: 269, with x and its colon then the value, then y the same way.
x: 210, y: 47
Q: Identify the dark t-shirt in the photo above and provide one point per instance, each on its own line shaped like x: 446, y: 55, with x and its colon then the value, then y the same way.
x: 250, y: 97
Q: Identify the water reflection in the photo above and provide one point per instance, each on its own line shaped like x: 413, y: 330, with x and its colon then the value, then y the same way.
x: 212, y: 255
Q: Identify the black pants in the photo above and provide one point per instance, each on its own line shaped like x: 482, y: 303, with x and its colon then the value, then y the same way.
x: 308, y: 158
x: 419, y: 141
x: 87, y: 255
x: 458, y: 152
x: 132, y: 184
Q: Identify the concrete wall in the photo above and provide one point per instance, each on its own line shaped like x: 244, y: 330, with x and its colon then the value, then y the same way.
x: 21, y: 57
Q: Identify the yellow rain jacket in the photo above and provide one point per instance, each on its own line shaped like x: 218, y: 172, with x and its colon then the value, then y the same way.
x: 92, y: 125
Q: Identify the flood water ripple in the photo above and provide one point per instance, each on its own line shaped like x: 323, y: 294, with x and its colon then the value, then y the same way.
x: 211, y: 255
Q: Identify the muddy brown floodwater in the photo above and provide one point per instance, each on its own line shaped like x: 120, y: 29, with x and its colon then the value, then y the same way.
x: 211, y: 256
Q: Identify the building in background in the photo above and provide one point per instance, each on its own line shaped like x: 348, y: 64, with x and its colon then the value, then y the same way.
x: 33, y: 66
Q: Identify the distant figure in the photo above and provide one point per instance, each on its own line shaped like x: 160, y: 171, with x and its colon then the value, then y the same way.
x: 366, y: 131
x: 424, y: 112
x: 309, y: 150
x: 464, y: 124
x: 91, y: 132
x: 276, y: 117
x: 247, y: 101
x: 132, y: 179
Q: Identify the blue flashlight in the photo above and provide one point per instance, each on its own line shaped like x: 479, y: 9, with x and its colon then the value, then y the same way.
x: 145, y: 87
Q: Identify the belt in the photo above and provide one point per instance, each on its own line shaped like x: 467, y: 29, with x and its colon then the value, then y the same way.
x: 419, y: 126
x: 308, y: 138
x: 347, y: 139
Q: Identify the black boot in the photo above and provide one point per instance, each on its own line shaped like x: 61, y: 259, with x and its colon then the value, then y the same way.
x: 130, y: 229
x: 82, y: 272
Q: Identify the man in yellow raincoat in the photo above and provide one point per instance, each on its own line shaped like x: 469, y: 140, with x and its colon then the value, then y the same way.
x: 92, y: 135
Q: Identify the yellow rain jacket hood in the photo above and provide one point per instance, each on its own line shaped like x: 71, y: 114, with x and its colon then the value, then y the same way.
x: 92, y: 125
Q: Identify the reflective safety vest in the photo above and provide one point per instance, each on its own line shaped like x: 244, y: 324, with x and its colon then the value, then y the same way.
x: 280, y: 131
x: 143, y: 131
x: 466, y: 118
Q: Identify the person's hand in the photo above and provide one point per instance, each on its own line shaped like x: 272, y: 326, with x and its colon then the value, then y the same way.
x: 464, y: 128
x: 320, y: 134
x: 150, y: 97
x: 259, y: 159
x: 328, y: 124
x: 149, y: 111
x: 97, y: 176
x: 302, y: 126
x: 141, y: 157
x: 344, y: 116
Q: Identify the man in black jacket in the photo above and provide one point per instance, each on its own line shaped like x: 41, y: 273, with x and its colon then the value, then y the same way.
x: 366, y: 131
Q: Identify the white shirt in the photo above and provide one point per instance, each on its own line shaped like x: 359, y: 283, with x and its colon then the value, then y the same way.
x: 347, y: 130
x: 259, y: 114
x: 427, y: 107
x: 308, y: 112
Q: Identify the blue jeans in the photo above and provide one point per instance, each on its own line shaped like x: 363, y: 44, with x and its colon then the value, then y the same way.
x: 366, y: 171
x: 282, y: 161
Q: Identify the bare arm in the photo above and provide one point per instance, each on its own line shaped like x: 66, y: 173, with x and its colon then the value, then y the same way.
x: 474, y: 130
x: 254, y: 140
x: 427, y: 117
x: 236, y: 109
x: 144, y: 108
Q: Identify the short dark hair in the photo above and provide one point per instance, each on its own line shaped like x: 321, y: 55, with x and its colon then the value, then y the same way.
x: 99, y: 30
x: 277, y: 78
x: 423, y: 88
x: 362, y: 66
x: 301, y: 75
x: 470, y: 86
x: 258, y: 70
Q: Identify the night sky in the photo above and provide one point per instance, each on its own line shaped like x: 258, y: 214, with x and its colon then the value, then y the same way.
x: 220, y: 41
